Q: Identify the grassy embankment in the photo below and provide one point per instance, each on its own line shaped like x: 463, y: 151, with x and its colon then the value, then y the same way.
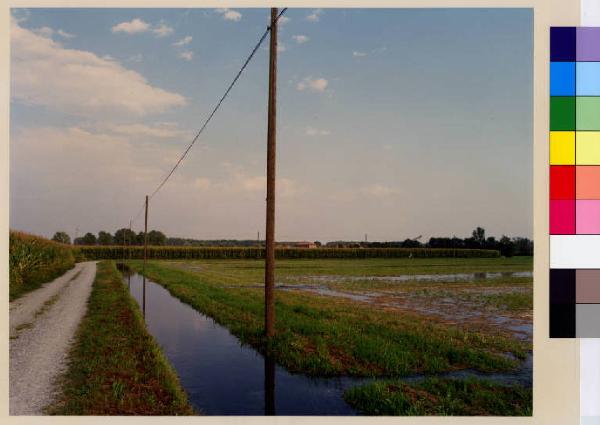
x: 434, y: 396
x: 34, y: 260
x: 115, y: 366
x: 333, y: 336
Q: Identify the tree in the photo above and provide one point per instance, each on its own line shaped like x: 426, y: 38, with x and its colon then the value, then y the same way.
x: 124, y: 235
x: 61, y: 237
x: 104, y: 238
x: 89, y: 239
x: 479, y: 236
x: 156, y: 238
x: 139, y: 239
x: 507, y: 246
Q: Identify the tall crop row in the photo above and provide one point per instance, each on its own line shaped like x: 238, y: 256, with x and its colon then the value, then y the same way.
x: 34, y: 260
x: 176, y: 253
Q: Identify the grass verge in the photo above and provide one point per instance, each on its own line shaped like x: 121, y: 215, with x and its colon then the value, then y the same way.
x: 331, y: 336
x: 435, y: 396
x: 115, y: 366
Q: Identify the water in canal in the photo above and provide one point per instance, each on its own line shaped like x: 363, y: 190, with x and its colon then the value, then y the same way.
x: 221, y: 376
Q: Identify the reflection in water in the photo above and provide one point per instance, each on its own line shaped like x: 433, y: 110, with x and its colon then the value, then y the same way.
x: 143, y: 296
x: 269, y: 386
x: 223, y: 377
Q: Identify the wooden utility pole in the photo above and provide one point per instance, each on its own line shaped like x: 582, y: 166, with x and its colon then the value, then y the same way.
x: 129, y: 247
x: 124, y: 245
x: 145, y: 256
x: 146, y: 234
x: 270, y: 225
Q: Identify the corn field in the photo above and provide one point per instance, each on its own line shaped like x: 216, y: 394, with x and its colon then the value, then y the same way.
x: 172, y: 253
x: 33, y: 259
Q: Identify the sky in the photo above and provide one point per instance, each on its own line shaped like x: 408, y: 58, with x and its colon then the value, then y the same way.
x: 393, y: 123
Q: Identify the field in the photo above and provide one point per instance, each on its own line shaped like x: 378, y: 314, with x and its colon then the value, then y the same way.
x: 35, y: 260
x: 385, y: 318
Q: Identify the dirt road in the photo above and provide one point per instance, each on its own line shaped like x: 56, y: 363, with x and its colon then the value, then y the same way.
x: 42, y: 327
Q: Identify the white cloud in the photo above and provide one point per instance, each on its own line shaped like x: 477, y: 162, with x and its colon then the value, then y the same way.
x: 357, y: 54
x: 300, y: 39
x: 136, y: 58
x: 315, y: 16
x: 283, y: 186
x: 78, y: 82
x: 314, y: 85
x: 202, y: 183
x: 311, y: 131
x: 281, y: 47
x: 65, y: 34
x: 183, y: 41
x: 44, y: 31
x: 165, y: 130
x: 186, y: 55
x: 49, y: 32
x: 379, y: 49
x: 134, y: 26
x: 283, y: 20
x: 378, y: 190
x: 230, y: 14
x: 252, y: 184
x: 162, y: 30
x: 20, y: 15
x: 88, y: 157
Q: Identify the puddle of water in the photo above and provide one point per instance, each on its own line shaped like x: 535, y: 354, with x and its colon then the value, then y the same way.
x: 451, y: 278
x: 221, y: 376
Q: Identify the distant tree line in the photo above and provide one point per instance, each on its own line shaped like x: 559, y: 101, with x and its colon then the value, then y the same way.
x: 507, y: 246
x: 120, y: 237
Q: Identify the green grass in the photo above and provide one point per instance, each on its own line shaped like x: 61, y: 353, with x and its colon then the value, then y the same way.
x: 115, y: 366
x: 332, y: 336
x: 441, y: 397
x: 252, y: 271
x: 515, y: 301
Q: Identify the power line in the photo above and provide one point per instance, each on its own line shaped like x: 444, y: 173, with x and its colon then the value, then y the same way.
x: 218, y: 105
x: 214, y: 111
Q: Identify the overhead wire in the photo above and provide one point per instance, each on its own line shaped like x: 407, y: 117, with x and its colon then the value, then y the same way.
x: 213, y: 112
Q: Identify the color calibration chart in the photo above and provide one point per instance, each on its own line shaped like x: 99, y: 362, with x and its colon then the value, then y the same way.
x: 575, y: 182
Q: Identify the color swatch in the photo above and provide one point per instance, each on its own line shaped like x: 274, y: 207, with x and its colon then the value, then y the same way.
x: 574, y: 180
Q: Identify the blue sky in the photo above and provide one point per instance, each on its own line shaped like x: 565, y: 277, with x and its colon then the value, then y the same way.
x: 394, y: 123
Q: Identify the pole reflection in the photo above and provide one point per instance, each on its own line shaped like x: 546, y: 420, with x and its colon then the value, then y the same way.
x: 144, y: 297
x: 269, y: 386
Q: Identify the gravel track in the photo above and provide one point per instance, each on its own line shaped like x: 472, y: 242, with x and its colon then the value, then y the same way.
x: 42, y: 327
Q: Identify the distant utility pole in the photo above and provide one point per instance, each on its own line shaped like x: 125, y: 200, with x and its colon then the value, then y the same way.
x: 270, y: 224
x: 366, y: 237
x: 76, y: 234
x: 258, y: 239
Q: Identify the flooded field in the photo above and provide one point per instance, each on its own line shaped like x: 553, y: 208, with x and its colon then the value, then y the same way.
x: 499, y: 299
x: 226, y: 375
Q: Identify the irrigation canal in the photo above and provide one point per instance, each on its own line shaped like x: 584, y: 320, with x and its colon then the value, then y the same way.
x: 224, y: 377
